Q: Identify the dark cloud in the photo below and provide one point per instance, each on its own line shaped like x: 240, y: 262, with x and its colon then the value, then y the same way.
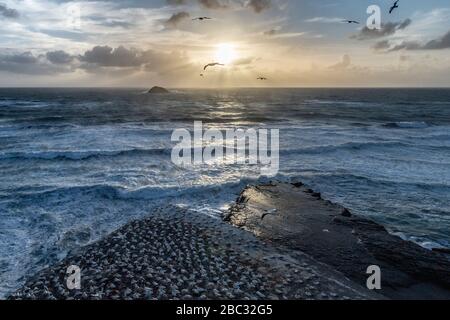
x: 105, y: 56
x: 259, y: 5
x: 442, y: 43
x: 382, y: 45
x: 435, y: 44
x: 99, y: 59
x: 27, y: 63
x: 387, y: 29
x: 8, y: 12
x: 177, y: 18
x: 59, y: 57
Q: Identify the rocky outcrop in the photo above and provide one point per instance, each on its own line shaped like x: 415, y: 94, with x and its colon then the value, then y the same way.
x: 298, y: 219
x: 158, y: 90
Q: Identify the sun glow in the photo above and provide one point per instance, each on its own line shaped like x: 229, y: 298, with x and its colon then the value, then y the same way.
x: 225, y: 53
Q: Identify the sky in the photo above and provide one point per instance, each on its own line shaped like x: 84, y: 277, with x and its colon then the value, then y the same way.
x: 290, y: 43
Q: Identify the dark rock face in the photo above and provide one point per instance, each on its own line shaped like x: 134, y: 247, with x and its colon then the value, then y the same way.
x: 346, y: 213
x: 348, y: 243
x: 158, y: 90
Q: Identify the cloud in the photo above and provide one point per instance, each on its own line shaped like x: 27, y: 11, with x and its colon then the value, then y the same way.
x: 99, y: 59
x: 8, y: 12
x: 382, y: 45
x: 441, y: 43
x: 256, y: 6
x: 176, y: 2
x: 435, y: 44
x: 116, y: 23
x: 177, y: 18
x: 325, y: 20
x: 387, y: 29
x: 259, y: 5
x: 105, y: 56
x: 244, y: 61
x: 59, y: 57
x: 28, y: 63
x: 344, y: 64
x: 271, y: 32
x: 213, y: 4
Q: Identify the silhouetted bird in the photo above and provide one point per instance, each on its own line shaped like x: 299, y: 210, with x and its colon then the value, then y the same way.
x: 351, y: 21
x: 212, y: 65
x: 261, y: 78
x: 202, y: 18
x: 395, y: 6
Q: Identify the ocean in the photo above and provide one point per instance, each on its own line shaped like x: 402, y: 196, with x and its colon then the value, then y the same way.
x: 75, y: 164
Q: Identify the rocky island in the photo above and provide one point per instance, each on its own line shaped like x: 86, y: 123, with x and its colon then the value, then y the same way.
x: 158, y: 90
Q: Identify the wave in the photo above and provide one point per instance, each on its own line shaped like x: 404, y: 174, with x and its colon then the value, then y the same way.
x: 349, y: 146
x: 112, y: 192
x: 84, y: 155
x: 406, y: 125
x: 81, y: 155
x: 382, y: 182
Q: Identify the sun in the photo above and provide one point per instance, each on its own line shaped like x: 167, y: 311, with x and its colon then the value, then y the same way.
x: 225, y: 53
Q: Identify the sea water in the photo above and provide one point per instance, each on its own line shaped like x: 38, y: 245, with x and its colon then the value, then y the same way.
x: 77, y: 163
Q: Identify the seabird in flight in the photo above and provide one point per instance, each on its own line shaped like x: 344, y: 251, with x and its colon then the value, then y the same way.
x: 212, y: 65
x: 202, y: 18
x: 395, y: 6
x: 351, y: 21
x: 261, y: 78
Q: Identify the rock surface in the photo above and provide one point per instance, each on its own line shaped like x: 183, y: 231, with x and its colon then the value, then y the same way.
x: 331, y: 234
x: 158, y: 90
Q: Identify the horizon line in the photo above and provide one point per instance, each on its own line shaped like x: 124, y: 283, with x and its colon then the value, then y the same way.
x: 225, y: 88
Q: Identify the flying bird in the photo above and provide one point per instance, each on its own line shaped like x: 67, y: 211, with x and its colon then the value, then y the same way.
x: 351, y: 21
x: 261, y: 78
x: 395, y: 6
x: 202, y: 18
x: 212, y: 65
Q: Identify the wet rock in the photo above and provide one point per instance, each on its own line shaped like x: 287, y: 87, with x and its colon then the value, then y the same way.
x: 346, y: 213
